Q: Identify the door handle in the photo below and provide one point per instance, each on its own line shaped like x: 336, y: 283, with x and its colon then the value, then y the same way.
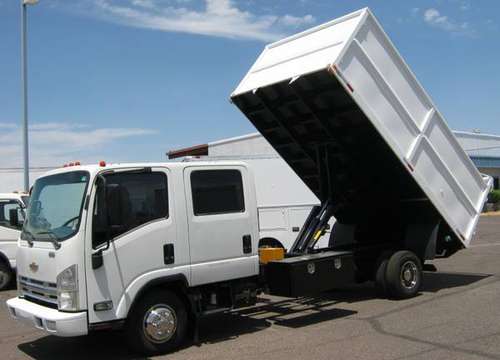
x: 168, y: 254
x: 295, y: 229
x: 247, y: 244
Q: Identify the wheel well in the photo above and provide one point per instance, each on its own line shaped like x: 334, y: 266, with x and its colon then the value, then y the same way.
x: 175, y: 283
x: 5, y: 260
x: 270, y: 242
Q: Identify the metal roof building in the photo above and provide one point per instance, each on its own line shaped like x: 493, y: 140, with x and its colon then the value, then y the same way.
x: 483, y: 149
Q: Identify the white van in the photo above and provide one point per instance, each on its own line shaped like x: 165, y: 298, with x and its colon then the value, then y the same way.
x: 9, y: 204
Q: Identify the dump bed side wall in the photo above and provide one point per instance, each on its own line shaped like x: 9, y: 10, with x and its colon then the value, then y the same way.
x: 389, y: 94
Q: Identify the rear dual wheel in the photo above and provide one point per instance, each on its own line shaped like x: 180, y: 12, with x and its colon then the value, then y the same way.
x: 398, y: 275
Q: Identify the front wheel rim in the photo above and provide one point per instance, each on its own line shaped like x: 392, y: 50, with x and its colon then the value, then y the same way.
x: 160, y: 323
x: 409, y: 275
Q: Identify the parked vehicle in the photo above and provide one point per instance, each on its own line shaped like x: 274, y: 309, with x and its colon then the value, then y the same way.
x: 153, y: 247
x: 12, y: 205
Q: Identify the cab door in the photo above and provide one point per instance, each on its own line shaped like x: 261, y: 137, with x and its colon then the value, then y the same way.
x: 145, y: 245
x: 8, y: 233
x: 221, y: 223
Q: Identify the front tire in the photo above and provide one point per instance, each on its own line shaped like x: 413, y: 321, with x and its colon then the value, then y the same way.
x: 5, y: 275
x: 158, y: 323
x: 403, y: 275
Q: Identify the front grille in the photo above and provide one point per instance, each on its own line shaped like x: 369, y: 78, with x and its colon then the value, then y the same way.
x: 40, y: 292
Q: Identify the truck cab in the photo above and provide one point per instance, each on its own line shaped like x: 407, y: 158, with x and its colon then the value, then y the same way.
x: 12, y: 212
x: 101, y: 243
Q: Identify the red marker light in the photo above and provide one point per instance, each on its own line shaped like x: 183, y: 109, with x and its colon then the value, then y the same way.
x: 77, y: 163
x: 102, y: 163
x: 65, y: 165
x: 71, y: 164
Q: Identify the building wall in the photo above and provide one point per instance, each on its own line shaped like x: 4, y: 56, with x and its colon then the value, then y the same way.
x: 479, y: 145
x: 484, y: 150
x: 247, y: 145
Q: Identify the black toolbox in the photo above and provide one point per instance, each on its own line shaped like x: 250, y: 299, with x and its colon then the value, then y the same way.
x: 310, y: 274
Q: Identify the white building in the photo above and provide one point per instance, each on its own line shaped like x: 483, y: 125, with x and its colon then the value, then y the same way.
x: 484, y: 150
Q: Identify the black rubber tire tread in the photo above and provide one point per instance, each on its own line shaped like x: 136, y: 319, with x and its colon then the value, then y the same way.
x: 394, y: 286
x: 380, y: 277
x: 7, y: 275
x: 135, y: 334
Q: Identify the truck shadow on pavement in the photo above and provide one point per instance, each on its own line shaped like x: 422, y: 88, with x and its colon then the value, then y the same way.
x: 434, y: 282
x: 293, y: 313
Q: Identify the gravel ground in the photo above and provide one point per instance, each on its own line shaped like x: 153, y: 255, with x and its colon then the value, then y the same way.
x: 455, y: 317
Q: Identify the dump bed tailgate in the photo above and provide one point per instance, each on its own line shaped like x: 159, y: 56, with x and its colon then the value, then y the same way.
x: 338, y: 98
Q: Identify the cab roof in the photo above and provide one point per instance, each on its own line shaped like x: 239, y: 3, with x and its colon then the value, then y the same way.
x: 95, y: 168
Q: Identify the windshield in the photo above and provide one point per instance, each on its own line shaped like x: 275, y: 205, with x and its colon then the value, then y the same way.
x: 55, y: 206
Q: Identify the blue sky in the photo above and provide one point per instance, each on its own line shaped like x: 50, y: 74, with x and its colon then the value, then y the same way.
x: 128, y: 80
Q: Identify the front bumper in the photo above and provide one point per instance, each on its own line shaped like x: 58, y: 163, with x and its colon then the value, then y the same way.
x: 51, y: 320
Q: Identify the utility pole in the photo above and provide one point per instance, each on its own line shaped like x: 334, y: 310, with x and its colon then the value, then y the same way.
x: 24, y: 67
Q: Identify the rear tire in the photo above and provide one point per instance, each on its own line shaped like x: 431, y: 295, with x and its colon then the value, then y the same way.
x: 381, y: 275
x: 404, y: 275
x: 158, y: 323
x: 5, y: 275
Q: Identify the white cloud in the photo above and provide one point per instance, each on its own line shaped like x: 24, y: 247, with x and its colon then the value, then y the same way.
x: 144, y: 3
x: 55, y: 143
x: 434, y: 18
x: 220, y: 18
x: 289, y: 20
x: 7, y: 125
x: 464, y: 6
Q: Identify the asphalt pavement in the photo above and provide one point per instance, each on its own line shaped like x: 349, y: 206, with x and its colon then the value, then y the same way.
x: 456, y: 316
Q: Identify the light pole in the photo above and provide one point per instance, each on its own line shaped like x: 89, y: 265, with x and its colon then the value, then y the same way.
x: 24, y: 4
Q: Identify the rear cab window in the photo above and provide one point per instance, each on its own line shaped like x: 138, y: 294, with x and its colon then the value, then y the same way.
x: 217, y: 192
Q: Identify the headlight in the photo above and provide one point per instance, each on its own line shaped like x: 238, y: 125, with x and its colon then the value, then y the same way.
x: 67, y: 289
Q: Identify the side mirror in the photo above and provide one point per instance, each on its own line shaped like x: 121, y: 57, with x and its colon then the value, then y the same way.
x: 14, y: 218
x: 97, y: 260
x: 117, y: 204
x: 100, y: 222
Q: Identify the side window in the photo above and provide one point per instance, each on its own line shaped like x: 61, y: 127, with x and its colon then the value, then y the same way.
x: 217, y: 192
x: 143, y: 198
x: 5, y: 207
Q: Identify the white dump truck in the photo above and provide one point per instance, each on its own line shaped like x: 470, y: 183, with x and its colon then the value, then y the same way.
x: 153, y: 247
x: 12, y: 207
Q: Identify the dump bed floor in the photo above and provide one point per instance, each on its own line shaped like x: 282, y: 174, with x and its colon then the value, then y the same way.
x: 316, y: 127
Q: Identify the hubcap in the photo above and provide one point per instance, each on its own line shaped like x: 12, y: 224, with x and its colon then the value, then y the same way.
x: 409, y: 275
x: 159, y: 323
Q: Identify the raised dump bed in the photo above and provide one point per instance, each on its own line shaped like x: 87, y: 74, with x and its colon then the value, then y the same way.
x: 343, y: 109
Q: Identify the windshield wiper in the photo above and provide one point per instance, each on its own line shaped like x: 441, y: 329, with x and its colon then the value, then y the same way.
x: 30, y: 238
x: 52, y: 237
